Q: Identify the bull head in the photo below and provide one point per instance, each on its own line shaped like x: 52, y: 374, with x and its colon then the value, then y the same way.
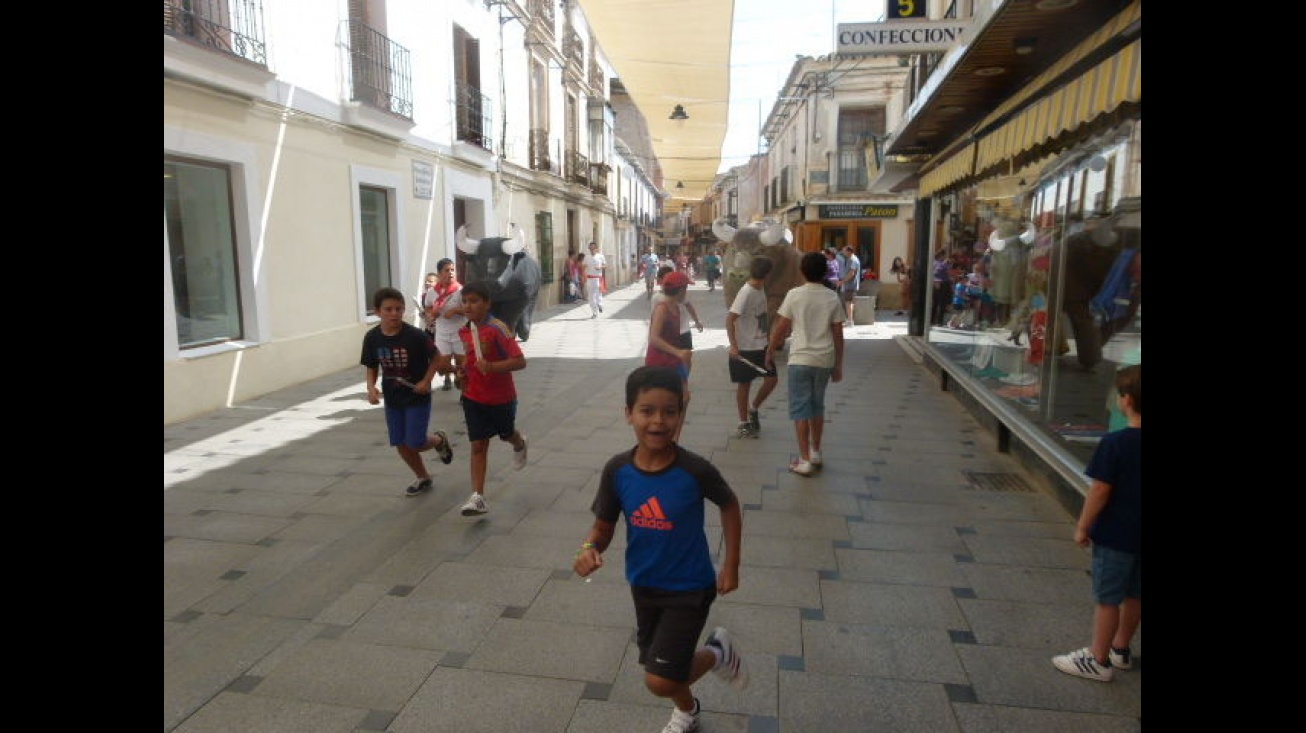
x: 772, y: 231
x: 997, y: 243
x: 488, y: 249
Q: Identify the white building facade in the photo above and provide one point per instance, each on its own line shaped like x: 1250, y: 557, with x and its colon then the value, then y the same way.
x: 315, y: 151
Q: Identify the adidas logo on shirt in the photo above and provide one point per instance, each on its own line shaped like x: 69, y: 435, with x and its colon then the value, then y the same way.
x: 650, y: 515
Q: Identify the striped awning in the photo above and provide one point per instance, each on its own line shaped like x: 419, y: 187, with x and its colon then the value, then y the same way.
x: 1099, y: 91
x: 955, y: 168
x: 1060, y: 109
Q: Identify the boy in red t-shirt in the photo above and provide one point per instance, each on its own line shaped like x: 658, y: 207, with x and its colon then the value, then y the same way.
x: 490, y: 356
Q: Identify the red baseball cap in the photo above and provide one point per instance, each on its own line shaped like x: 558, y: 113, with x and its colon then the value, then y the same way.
x: 675, y: 280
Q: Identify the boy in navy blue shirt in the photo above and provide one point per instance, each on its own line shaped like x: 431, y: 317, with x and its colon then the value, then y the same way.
x: 660, y: 487
x: 1112, y: 519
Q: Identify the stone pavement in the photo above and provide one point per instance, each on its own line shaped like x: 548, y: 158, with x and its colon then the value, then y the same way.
x: 919, y: 583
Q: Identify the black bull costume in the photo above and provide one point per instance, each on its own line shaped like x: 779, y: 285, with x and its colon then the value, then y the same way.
x: 512, y: 276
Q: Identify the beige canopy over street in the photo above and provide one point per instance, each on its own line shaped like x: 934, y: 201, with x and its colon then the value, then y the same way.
x: 668, y: 53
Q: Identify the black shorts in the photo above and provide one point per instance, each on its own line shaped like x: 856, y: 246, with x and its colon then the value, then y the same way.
x: 741, y: 373
x: 669, y: 623
x: 686, y: 340
x: 486, y: 421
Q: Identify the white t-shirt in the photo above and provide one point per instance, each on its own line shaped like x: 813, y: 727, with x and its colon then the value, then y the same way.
x: 813, y: 308
x: 751, y: 327
x: 594, y: 264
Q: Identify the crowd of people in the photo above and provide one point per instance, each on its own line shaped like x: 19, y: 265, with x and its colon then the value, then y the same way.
x: 671, y: 574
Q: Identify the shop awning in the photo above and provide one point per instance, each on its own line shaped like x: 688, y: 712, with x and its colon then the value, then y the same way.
x: 958, y: 166
x: 1098, y: 91
x: 1062, y: 104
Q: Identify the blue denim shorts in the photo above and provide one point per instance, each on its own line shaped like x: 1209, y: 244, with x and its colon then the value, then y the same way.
x: 1117, y: 575
x: 407, y: 425
x: 807, y: 391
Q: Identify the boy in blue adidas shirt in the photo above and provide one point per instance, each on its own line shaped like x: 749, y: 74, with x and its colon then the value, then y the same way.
x: 660, y: 487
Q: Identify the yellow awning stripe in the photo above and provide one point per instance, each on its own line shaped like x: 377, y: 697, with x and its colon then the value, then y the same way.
x: 950, y: 171
x: 1109, y: 30
x: 1098, y: 91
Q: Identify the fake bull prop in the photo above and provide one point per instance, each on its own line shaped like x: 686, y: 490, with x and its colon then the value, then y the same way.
x: 768, y: 238
x: 512, y: 276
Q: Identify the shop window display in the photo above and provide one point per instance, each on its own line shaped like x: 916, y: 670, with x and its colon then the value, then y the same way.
x: 1050, y: 305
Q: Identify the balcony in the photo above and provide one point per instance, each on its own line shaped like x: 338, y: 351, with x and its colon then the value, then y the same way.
x: 851, y: 173
x: 232, y: 27
x: 573, y: 50
x: 577, y: 168
x: 217, y: 43
x: 474, y: 114
x: 542, y: 12
x: 380, y: 72
x: 598, y: 180
x: 539, y: 143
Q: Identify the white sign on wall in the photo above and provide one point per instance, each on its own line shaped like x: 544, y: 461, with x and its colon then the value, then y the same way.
x: 900, y: 36
x: 423, y: 180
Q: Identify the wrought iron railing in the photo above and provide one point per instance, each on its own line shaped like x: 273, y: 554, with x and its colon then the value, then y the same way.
x: 596, y: 77
x: 542, y: 10
x: 539, y: 144
x: 380, y: 71
x: 577, y: 167
x: 599, y: 177
x: 573, y: 49
x: 851, y: 174
x: 474, y: 115
x: 233, y: 27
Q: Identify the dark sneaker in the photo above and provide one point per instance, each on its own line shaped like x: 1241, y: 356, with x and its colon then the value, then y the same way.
x: 732, y: 668
x: 444, y: 449
x: 745, y: 431
x: 754, y: 421
x: 1121, y: 658
x: 418, y: 486
x: 1081, y: 663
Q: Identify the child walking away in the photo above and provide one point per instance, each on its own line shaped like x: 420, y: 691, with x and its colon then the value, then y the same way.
x: 660, y: 488
x: 813, y: 315
x: 1112, y: 521
x: 747, y: 330
x: 490, y: 356
x: 404, y: 358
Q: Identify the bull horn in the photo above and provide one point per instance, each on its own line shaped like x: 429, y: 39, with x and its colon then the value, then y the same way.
x: 465, y: 243
x: 1028, y: 236
x: 772, y: 236
x: 515, y: 241
x: 723, y: 230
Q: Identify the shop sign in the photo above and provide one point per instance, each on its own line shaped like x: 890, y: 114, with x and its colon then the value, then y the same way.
x: 858, y: 211
x: 899, y: 36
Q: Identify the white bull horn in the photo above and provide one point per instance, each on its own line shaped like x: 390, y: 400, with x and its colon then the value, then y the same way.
x: 772, y: 236
x: 515, y: 242
x: 465, y: 243
x: 723, y: 230
x: 1028, y: 236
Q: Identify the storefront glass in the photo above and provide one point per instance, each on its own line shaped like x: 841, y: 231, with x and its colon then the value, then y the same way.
x: 1045, y: 288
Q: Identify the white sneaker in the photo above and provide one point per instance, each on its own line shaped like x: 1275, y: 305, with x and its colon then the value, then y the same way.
x: 682, y: 722
x: 815, y: 460
x: 1081, y: 663
x: 475, y: 505
x: 519, y: 456
x: 732, y: 668
x: 802, y: 468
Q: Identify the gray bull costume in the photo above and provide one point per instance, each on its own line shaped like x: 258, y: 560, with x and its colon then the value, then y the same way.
x: 512, y: 276
x: 769, y: 238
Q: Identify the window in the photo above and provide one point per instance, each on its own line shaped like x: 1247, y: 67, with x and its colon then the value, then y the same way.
x: 198, y: 222
x: 544, y: 240
x: 374, y: 219
x: 857, y: 129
